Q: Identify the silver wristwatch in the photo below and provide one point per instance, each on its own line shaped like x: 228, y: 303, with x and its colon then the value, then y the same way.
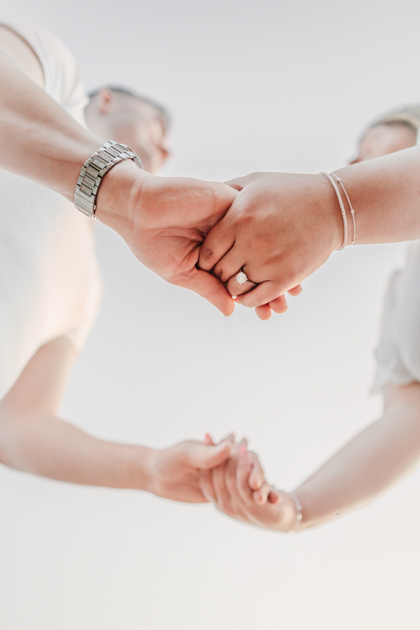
x: 93, y: 171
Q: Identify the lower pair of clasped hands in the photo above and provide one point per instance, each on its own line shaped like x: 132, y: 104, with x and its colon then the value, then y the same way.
x: 239, y: 489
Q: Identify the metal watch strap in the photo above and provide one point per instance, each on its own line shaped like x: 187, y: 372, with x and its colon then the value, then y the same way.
x: 94, y: 169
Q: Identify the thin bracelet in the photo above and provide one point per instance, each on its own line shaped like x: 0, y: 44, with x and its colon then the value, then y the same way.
x: 299, y: 515
x: 342, y: 208
x: 340, y: 181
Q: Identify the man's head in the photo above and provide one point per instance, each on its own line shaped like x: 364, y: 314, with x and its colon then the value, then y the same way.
x: 119, y: 114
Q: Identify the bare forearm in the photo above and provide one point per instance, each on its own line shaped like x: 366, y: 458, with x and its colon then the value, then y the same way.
x: 40, y: 141
x: 366, y: 467
x: 385, y: 194
x: 41, y: 444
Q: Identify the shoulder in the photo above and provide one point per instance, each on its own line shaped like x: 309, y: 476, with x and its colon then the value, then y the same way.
x: 63, y: 79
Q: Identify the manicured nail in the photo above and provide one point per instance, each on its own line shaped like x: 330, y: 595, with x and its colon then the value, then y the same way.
x: 243, y: 449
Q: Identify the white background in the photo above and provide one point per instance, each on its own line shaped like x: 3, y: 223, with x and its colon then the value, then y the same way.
x: 251, y: 86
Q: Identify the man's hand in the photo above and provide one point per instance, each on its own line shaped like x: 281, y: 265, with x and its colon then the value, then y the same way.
x: 165, y: 221
x: 238, y: 489
x: 279, y: 230
x: 175, y: 472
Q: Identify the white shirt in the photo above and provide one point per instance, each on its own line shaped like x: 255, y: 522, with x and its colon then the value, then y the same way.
x: 49, y: 279
x: 398, y: 352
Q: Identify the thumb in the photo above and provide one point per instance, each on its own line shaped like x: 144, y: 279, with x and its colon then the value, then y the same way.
x: 206, y: 456
x: 238, y: 183
x: 208, y: 287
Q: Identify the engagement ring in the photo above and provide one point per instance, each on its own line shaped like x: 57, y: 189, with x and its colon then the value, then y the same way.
x: 241, y: 278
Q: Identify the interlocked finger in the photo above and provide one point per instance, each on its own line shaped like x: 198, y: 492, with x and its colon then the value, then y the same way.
x: 256, y: 477
x: 263, y: 312
x: 279, y: 305
x: 263, y: 294
x: 220, y: 490
x: 243, y: 471
x: 297, y: 290
x: 260, y: 496
x: 206, y: 486
x: 230, y: 480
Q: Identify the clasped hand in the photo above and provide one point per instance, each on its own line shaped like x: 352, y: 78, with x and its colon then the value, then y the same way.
x: 277, y: 228
x: 239, y: 489
x: 225, y: 474
x: 278, y: 231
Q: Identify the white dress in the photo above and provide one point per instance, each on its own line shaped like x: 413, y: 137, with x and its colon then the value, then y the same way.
x: 49, y: 280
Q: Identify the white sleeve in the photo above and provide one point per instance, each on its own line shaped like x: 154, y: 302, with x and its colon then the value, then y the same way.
x: 63, y: 80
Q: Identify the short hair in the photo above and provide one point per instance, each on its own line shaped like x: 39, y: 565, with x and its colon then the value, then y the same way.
x: 163, y: 112
x: 408, y: 117
x: 396, y: 123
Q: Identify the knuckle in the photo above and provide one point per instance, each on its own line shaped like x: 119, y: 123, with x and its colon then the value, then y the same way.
x: 206, y: 253
x: 218, y: 271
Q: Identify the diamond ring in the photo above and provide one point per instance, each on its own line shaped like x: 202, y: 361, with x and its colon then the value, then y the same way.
x: 241, y: 278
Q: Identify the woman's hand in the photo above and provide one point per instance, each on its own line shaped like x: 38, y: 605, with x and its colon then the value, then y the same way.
x: 238, y: 489
x: 279, y: 230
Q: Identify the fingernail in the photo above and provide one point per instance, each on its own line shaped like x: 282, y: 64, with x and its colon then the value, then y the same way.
x: 243, y: 449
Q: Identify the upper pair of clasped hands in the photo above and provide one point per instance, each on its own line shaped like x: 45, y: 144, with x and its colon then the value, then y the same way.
x: 277, y: 228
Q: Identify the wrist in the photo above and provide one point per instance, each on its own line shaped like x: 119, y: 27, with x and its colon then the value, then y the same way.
x: 118, y: 197
x: 138, y: 469
x: 297, y: 514
x: 153, y: 466
x: 288, y: 521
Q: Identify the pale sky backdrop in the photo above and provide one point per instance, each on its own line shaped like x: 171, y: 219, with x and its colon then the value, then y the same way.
x: 252, y: 86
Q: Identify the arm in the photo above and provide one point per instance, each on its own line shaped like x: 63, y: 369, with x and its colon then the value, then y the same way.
x: 34, y: 440
x: 163, y: 220
x: 366, y: 467
x: 282, y: 227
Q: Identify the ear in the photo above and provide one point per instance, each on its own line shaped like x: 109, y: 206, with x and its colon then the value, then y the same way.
x: 105, y: 101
